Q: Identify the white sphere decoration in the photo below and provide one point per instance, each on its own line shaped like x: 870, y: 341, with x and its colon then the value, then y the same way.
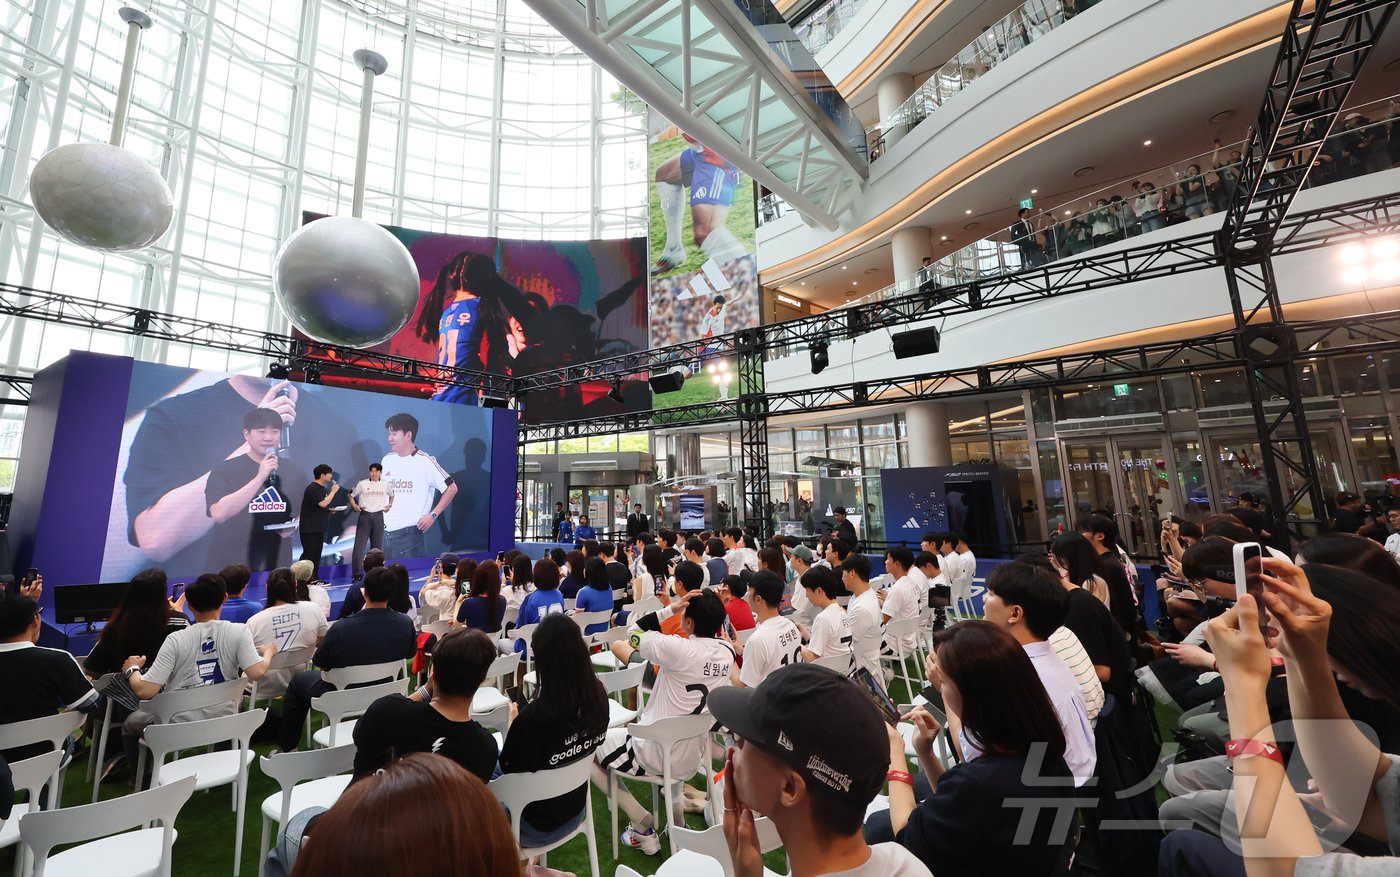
x: 346, y: 281
x: 101, y: 196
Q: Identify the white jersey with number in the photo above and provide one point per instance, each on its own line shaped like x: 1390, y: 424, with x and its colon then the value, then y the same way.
x: 920, y: 580
x: 690, y: 668
x: 775, y: 643
x: 830, y: 636
x: 416, y: 481
x: 863, y: 622
x: 902, y: 603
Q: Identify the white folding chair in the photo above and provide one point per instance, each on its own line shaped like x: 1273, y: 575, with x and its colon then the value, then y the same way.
x: 617, y: 681
x: 840, y: 662
x: 293, y: 659
x: 489, y: 698
x: 97, y: 755
x: 570, y: 604
x: 168, y: 704
x: 518, y: 634
x: 342, y: 706
x: 666, y: 733
x: 209, y: 769
x: 437, y: 628
x: 706, y: 854
x: 314, y: 778
x: 605, y: 660
x: 516, y: 791
x: 895, y: 631
x: 583, y: 620
x: 30, y: 776
x: 53, y: 730
x: 364, y: 674
x: 644, y: 606
x: 128, y: 854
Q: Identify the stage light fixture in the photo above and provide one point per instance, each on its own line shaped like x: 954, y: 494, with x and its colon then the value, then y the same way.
x: 615, y: 393
x: 313, y: 373
x: 278, y: 371
x: 821, y: 356
x: 1377, y: 261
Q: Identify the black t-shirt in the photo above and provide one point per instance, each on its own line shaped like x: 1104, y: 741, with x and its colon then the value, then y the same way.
x: 370, y: 636
x: 1120, y: 591
x: 971, y: 826
x: 37, y: 682
x: 231, y: 540
x: 395, y: 726
x: 313, y: 517
x: 537, y: 743
x: 184, y: 437
x: 1102, y: 639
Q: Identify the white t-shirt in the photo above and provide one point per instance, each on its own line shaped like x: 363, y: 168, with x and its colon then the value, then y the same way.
x: 1071, y: 651
x: 206, y: 653
x: 863, y: 620
x: 734, y: 560
x: 291, y: 626
x: 887, y: 860
x: 320, y: 598
x: 690, y: 668
x: 1392, y: 544
x: 902, y: 602
x: 830, y: 635
x: 373, y: 496
x: 712, y: 325
x: 801, y: 606
x: 415, y: 479
x: 967, y: 571
x: 775, y: 643
x: 920, y: 581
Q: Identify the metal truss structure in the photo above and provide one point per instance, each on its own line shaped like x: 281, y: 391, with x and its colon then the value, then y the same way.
x: 36, y: 304
x: 1318, y: 339
x: 708, y: 67
x: 1325, y: 227
x: 753, y: 432
x: 1324, y: 46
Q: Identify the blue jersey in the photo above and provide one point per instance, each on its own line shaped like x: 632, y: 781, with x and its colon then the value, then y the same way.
x: 711, y: 179
x: 459, y: 346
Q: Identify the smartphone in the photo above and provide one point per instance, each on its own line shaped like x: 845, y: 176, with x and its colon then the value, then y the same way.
x: 517, y: 696
x: 877, y: 694
x: 32, y: 574
x: 176, y: 591
x: 1249, y: 578
x: 500, y: 556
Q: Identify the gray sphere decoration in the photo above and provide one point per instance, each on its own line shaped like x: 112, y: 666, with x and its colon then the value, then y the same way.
x: 101, y: 196
x: 346, y: 281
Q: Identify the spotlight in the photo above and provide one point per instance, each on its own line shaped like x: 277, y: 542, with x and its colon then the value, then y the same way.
x: 670, y: 380
x: 277, y: 371
x: 615, y: 393
x: 1353, y: 254
x: 1355, y: 275
x: 313, y: 373
x: 1385, y: 249
x: 1378, y: 260
x: 820, y: 355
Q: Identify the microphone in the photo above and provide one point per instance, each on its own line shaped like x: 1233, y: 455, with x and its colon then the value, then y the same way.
x: 273, y: 479
x: 285, y: 444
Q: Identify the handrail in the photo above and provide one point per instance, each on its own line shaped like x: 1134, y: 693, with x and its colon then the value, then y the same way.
x: 822, y: 24
x: 1090, y: 226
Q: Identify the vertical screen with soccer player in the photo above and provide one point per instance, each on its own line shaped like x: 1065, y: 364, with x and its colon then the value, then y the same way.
x: 517, y: 307
x: 212, y: 467
x: 704, y: 274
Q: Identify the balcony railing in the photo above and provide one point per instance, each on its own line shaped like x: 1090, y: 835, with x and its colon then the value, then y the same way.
x: 1176, y: 193
x: 825, y: 22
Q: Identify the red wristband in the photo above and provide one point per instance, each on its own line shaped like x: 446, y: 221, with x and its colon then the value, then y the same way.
x: 899, y: 776
x: 1238, y: 748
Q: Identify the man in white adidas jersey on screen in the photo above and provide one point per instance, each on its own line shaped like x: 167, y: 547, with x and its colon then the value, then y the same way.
x: 417, y: 481
x: 692, y: 666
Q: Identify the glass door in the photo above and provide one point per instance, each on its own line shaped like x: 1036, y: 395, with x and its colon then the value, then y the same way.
x: 1130, y: 479
x: 1235, y: 467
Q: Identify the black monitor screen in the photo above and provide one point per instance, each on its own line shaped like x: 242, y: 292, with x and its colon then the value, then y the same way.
x: 77, y: 604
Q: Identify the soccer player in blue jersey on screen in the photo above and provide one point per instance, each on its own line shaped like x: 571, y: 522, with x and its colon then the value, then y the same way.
x: 712, y: 181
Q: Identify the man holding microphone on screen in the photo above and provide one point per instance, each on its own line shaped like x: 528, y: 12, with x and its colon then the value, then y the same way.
x: 371, y: 498
x: 415, y: 477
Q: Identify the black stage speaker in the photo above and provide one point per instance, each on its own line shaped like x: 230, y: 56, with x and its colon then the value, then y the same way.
x: 915, y: 343
x: 667, y: 381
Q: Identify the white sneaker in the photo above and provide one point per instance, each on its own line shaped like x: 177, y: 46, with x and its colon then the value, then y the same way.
x: 668, y: 260
x: 646, y: 842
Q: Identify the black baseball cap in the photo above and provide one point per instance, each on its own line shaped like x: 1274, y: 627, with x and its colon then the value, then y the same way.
x: 789, y: 717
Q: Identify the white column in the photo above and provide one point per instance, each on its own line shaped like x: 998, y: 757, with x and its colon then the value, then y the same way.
x: 927, y: 423
x: 908, y: 247
x: 890, y: 92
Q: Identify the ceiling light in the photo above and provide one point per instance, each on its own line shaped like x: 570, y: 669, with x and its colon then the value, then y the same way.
x: 803, y: 283
x: 1387, y: 270
x: 1221, y: 116
x: 944, y: 238
x: 1355, y: 275
x: 1353, y: 254
x: 853, y: 283
x: 1084, y: 171
x: 843, y: 267
x: 1068, y: 212
x: 1385, y: 248
x: 1035, y: 191
x: 1147, y: 143
x: 968, y: 212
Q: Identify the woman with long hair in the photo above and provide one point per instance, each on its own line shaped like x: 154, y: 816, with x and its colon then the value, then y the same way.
x: 470, y: 307
x: 1077, y: 562
x: 519, y: 575
x: 573, y: 580
x: 401, y: 600
x: 483, y: 607
x: 651, y: 581
x: 1014, y: 749
x: 143, y: 618
x: 597, y: 596
x: 376, y: 826
x: 562, y: 723
x: 1353, y: 552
